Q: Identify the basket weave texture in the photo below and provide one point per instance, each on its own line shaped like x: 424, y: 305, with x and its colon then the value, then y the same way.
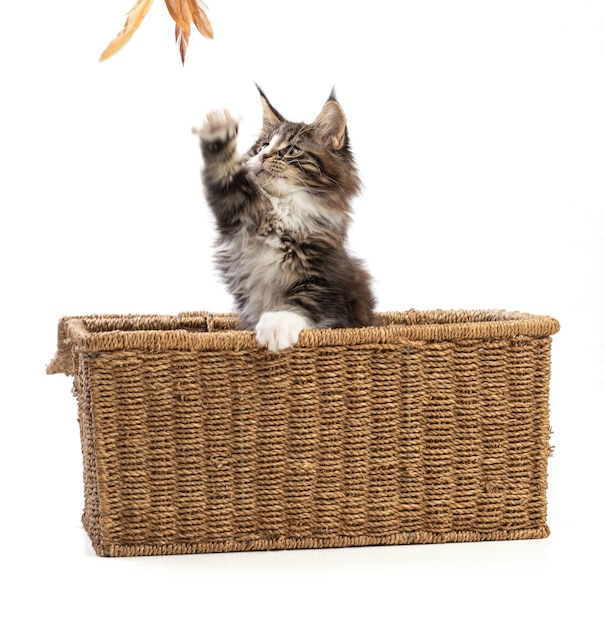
x: 432, y: 427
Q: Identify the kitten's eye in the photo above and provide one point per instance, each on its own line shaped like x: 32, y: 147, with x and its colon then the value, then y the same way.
x: 261, y: 147
x: 291, y: 152
x: 294, y: 151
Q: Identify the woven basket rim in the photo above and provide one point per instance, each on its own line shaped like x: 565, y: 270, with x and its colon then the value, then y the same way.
x: 198, y: 331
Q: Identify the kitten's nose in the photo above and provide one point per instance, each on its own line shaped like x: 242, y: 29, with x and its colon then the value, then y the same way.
x: 262, y: 156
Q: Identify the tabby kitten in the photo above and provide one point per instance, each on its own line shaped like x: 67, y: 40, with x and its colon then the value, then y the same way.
x: 282, y: 212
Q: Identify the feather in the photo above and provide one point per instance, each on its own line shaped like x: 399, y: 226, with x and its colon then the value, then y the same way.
x: 200, y: 18
x: 174, y: 8
x: 133, y: 21
x: 186, y: 17
x: 183, y: 27
x: 183, y: 12
x: 182, y: 41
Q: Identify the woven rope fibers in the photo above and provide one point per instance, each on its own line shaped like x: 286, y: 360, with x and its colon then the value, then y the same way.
x: 432, y: 427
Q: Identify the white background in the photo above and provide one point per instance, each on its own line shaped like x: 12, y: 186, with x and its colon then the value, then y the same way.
x: 479, y: 129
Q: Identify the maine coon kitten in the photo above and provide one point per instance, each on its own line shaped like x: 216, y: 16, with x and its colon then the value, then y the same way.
x: 282, y: 212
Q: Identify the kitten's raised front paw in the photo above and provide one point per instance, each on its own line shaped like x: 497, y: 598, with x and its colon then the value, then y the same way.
x: 219, y: 127
x: 279, y: 330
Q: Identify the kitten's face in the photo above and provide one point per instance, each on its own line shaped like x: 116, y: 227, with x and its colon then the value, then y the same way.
x: 290, y: 157
x: 283, y: 160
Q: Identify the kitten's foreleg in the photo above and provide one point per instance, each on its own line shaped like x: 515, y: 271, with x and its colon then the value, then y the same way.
x: 279, y: 330
x: 229, y: 190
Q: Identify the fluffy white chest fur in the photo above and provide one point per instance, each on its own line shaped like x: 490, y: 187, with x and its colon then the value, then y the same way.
x: 262, y: 273
x: 258, y: 258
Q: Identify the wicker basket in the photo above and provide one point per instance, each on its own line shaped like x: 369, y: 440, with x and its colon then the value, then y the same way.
x: 432, y: 427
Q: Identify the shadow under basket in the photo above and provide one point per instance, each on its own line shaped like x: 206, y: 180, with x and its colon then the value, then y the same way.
x: 431, y: 427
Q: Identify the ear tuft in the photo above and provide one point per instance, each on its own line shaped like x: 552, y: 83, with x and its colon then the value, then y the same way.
x: 271, y: 117
x: 331, y: 124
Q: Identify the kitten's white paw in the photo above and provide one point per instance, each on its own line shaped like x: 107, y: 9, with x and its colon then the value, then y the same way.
x: 279, y: 330
x: 218, y: 126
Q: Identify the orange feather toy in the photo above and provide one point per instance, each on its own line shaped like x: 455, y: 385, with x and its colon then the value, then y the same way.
x: 183, y: 12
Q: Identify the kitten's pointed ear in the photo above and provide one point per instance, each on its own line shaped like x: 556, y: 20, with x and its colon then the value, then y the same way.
x: 331, y: 124
x: 271, y: 117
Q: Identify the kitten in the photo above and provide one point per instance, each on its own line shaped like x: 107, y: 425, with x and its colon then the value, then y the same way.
x: 282, y: 212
